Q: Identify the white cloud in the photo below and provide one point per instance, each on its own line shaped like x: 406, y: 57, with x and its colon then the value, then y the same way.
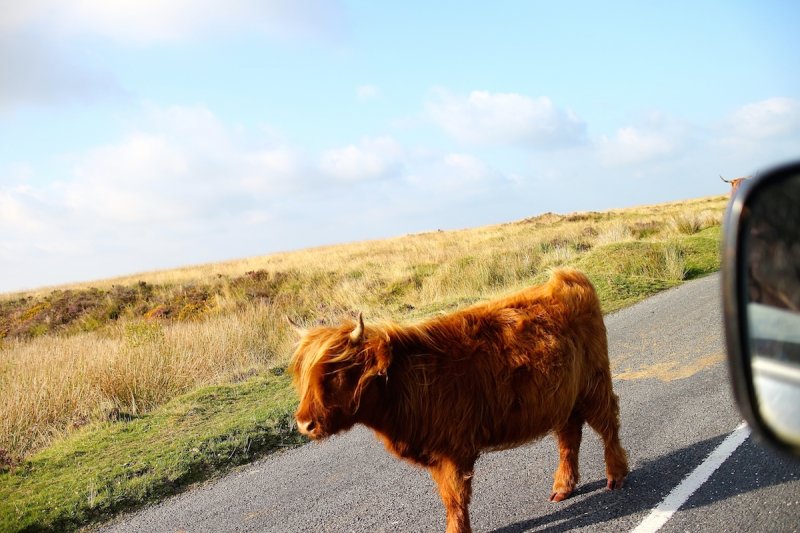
x: 155, y: 21
x: 453, y: 173
x: 273, y: 170
x: 758, y: 135
x: 467, y: 167
x: 41, y: 39
x: 138, y: 180
x: 372, y: 158
x: 181, y: 168
x: 35, y: 228
x: 505, y: 118
x: 633, y: 146
x: 771, y: 118
x: 36, y: 70
x: 182, y: 187
x: 367, y: 92
x: 182, y: 164
x: 18, y: 211
x: 656, y: 138
x: 16, y: 173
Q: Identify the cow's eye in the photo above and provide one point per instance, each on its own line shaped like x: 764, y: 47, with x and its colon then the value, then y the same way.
x: 338, y: 380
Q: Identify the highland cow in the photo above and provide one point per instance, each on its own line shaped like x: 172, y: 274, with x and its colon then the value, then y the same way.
x: 735, y: 183
x: 492, y: 376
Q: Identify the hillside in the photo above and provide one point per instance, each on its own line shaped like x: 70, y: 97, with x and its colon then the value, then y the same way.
x: 482, y: 259
x: 121, y: 368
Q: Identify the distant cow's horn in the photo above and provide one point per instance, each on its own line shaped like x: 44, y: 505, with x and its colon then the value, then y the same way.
x: 358, y: 333
x: 723, y: 179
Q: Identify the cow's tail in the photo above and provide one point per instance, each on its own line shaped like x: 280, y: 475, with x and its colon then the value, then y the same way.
x: 576, y: 287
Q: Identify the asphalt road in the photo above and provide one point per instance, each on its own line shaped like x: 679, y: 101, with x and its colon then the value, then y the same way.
x: 670, y: 374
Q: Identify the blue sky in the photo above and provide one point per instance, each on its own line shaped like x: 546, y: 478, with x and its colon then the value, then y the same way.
x: 139, y: 135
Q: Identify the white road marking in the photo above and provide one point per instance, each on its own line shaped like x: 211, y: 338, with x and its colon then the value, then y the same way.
x: 659, y: 516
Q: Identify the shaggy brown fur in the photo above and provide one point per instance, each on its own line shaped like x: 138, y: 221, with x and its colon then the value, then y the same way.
x: 491, y: 376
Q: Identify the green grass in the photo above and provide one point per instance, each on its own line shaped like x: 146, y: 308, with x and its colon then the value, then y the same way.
x: 627, y: 272
x: 702, y: 252
x: 107, y: 468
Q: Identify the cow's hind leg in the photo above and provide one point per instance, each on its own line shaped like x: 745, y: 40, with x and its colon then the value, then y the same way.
x: 602, y: 414
x: 569, y: 443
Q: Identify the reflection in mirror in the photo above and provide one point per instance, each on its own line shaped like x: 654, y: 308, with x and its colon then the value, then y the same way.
x: 772, y: 241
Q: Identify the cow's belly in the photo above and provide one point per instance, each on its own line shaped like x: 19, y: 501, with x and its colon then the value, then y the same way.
x: 530, y: 417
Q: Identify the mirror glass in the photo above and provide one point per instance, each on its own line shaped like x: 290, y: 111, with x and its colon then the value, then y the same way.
x: 772, y: 277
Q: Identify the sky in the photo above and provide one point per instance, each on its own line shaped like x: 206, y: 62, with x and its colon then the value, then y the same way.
x: 138, y: 135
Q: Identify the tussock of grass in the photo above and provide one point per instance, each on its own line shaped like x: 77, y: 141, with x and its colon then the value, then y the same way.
x: 614, y: 233
x: 87, y: 362
x: 623, y: 273
x: 691, y: 222
x: 701, y: 251
x: 655, y: 260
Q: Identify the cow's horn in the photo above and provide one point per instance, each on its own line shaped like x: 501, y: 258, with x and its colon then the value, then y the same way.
x: 723, y: 179
x: 358, y: 333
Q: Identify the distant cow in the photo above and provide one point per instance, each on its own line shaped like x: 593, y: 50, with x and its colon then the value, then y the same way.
x: 735, y: 183
x: 492, y: 376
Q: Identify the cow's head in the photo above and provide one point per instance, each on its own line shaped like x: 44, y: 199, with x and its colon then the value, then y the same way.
x: 735, y: 183
x: 332, y: 369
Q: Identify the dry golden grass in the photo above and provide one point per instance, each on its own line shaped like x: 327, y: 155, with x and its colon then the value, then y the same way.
x: 51, y: 384
x: 438, y: 246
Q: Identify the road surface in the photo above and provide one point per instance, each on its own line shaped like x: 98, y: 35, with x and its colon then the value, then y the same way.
x: 667, y: 357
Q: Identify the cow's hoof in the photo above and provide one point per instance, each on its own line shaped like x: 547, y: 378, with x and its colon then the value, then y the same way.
x: 559, y: 496
x: 615, y: 484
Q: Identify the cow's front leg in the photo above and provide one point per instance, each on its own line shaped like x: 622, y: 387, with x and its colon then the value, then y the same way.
x: 454, y: 479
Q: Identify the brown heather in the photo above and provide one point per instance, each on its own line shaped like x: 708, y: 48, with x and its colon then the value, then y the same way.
x: 114, y: 349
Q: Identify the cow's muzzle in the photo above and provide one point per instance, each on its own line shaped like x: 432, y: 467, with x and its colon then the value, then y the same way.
x: 308, y: 428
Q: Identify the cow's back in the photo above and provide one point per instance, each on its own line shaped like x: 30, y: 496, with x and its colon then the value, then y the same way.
x: 555, y: 341
x: 504, y: 372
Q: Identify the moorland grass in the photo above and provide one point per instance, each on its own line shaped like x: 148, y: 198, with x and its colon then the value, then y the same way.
x: 85, y: 367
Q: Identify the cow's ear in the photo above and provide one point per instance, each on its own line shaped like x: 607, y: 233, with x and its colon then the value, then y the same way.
x: 382, y: 358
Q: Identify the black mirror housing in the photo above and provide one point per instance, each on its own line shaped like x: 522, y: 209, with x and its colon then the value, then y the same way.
x: 761, y: 303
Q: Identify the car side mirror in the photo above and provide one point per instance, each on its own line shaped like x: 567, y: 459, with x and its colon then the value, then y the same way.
x: 761, y: 301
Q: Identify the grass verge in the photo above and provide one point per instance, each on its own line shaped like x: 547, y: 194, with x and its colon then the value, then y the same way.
x: 106, y: 468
